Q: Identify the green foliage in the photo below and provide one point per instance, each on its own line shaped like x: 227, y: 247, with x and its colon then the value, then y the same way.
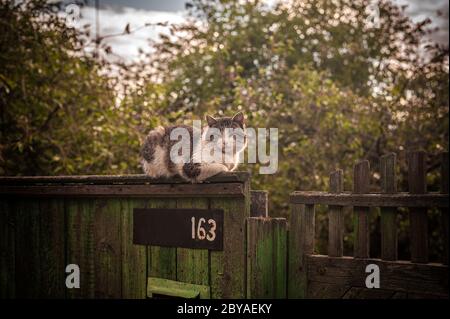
x: 58, y: 113
x: 337, y: 89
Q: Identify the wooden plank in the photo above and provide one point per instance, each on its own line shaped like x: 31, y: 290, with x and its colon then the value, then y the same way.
x: 266, y: 257
x: 388, y: 221
x: 150, y: 190
x: 394, y: 275
x: 320, y: 290
x: 7, y: 250
x: 166, y: 287
x: 444, y: 211
x: 418, y: 216
x: 108, y: 248
x: 301, y: 243
x: 361, y: 181
x: 259, y: 206
x: 336, y: 217
x: 162, y: 261
x: 134, y: 257
x: 80, y: 245
x: 227, y: 273
x: 193, y: 264
x: 52, y: 248
x: 28, y: 270
x: 363, y: 293
x: 370, y: 200
x: 117, y: 179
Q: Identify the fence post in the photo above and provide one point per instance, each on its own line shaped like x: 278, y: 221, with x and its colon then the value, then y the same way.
x: 388, y: 214
x: 336, y: 217
x: 301, y: 244
x: 418, y: 216
x: 361, y: 180
x: 444, y: 211
x: 266, y: 257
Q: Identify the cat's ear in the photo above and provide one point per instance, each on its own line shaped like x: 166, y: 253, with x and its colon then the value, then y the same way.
x: 239, y: 118
x: 210, y: 120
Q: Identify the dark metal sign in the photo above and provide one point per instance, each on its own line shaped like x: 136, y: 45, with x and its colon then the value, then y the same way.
x: 179, y: 227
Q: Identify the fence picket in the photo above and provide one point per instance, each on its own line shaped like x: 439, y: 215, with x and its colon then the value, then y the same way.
x: 361, y: 179
x: 336, y: 217
x: 418, y: 216
x: 388, y: 214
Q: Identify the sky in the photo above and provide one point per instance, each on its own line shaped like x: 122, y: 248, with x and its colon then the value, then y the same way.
x: 114, y: 15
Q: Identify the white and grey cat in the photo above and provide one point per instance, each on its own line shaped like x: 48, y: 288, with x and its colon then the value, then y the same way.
x: 155, y: 152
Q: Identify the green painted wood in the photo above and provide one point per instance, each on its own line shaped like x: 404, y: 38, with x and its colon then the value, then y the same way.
x: 52, y: 248
x: 279, y: 230
x: 7, y: 250
x: 227, y: 267
x: 266, y: 257
x: 174, y: 288
x: 28, y: 270
x: 80, y: 244
x: 301, y: 243
x: 108, y: 248
x: 134, y: 257
x: 162, y: 261
x: 192, y: 264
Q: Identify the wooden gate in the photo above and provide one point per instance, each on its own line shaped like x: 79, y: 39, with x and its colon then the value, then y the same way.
x: 47, y: 223
x: 337, y: 276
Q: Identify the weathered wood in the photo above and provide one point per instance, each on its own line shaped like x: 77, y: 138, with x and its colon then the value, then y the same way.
x: 336, y: 217
x: 394, y: 275
x: 7, y: 250
x: 114, y: 191
x: 444, y: 211
x: 28, y: 272
x: 301, y: 243
x: 192, y: 264
x: 162, y: 261
x: 388, y: 219
x: 266, y: 257
x: 418, y: 216
x: 361, y: 182
x: 320, y: 290
x: 166, y: 287
x: 134, y: 257
x: 108, y: 248
x: 116, y: 179
x: 227, y: 271
x: 370, y: 200
x: 259, y: 204
x: 80, y: 244
x: 52, y: 248
x: 364, y: 293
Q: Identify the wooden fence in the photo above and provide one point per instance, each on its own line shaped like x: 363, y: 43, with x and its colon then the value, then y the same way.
x: 47, y: 223
x: 337, y: 276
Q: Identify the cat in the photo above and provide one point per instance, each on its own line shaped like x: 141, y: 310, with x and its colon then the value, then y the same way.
x: 157, y: 162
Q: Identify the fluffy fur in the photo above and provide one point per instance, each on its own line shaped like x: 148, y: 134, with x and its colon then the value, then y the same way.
x: 155, y: 152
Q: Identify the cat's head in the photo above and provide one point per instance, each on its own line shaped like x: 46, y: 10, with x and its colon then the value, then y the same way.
x: 230, y: 128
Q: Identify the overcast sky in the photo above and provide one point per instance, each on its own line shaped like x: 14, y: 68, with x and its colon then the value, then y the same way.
x: 115, y: 14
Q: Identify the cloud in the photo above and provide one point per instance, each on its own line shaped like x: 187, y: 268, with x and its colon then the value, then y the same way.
x: 419, y: 10
x: 114, y: 17
x: 114, y: 21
